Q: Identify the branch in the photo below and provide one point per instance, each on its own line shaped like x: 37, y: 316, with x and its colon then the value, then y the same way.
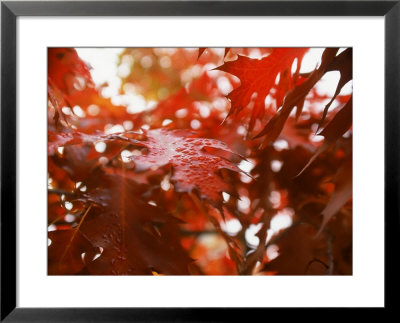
x: 59, y: 191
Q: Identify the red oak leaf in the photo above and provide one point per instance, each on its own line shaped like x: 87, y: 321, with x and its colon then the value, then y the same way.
x: 344, y: 64
x: 258, y: 76
x: 134, y: 235
x: 334, y: 130
x: 130, y: 235
x: 195, y: 161
x: 296, y: 97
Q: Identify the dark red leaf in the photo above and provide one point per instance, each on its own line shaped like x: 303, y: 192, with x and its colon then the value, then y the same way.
x: 193, y: 167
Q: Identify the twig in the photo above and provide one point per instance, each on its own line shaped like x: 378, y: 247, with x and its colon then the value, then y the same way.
x: 60, y: 191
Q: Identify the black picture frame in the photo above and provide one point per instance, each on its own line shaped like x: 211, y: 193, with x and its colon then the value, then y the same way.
x: 10, y: 10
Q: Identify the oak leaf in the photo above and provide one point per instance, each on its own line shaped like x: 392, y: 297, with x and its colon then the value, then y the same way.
x: 258, y: 77
x: 136, y: 237
x: 195, y: 161
x: 334, y: 130
x: 295, y: 98
x: 118, y: 234
x: 344, y: 64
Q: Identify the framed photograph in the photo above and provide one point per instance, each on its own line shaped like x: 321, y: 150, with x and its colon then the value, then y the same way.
x: 197, y: 159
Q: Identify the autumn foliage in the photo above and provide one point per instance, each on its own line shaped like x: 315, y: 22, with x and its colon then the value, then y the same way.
x: 233, y: 162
